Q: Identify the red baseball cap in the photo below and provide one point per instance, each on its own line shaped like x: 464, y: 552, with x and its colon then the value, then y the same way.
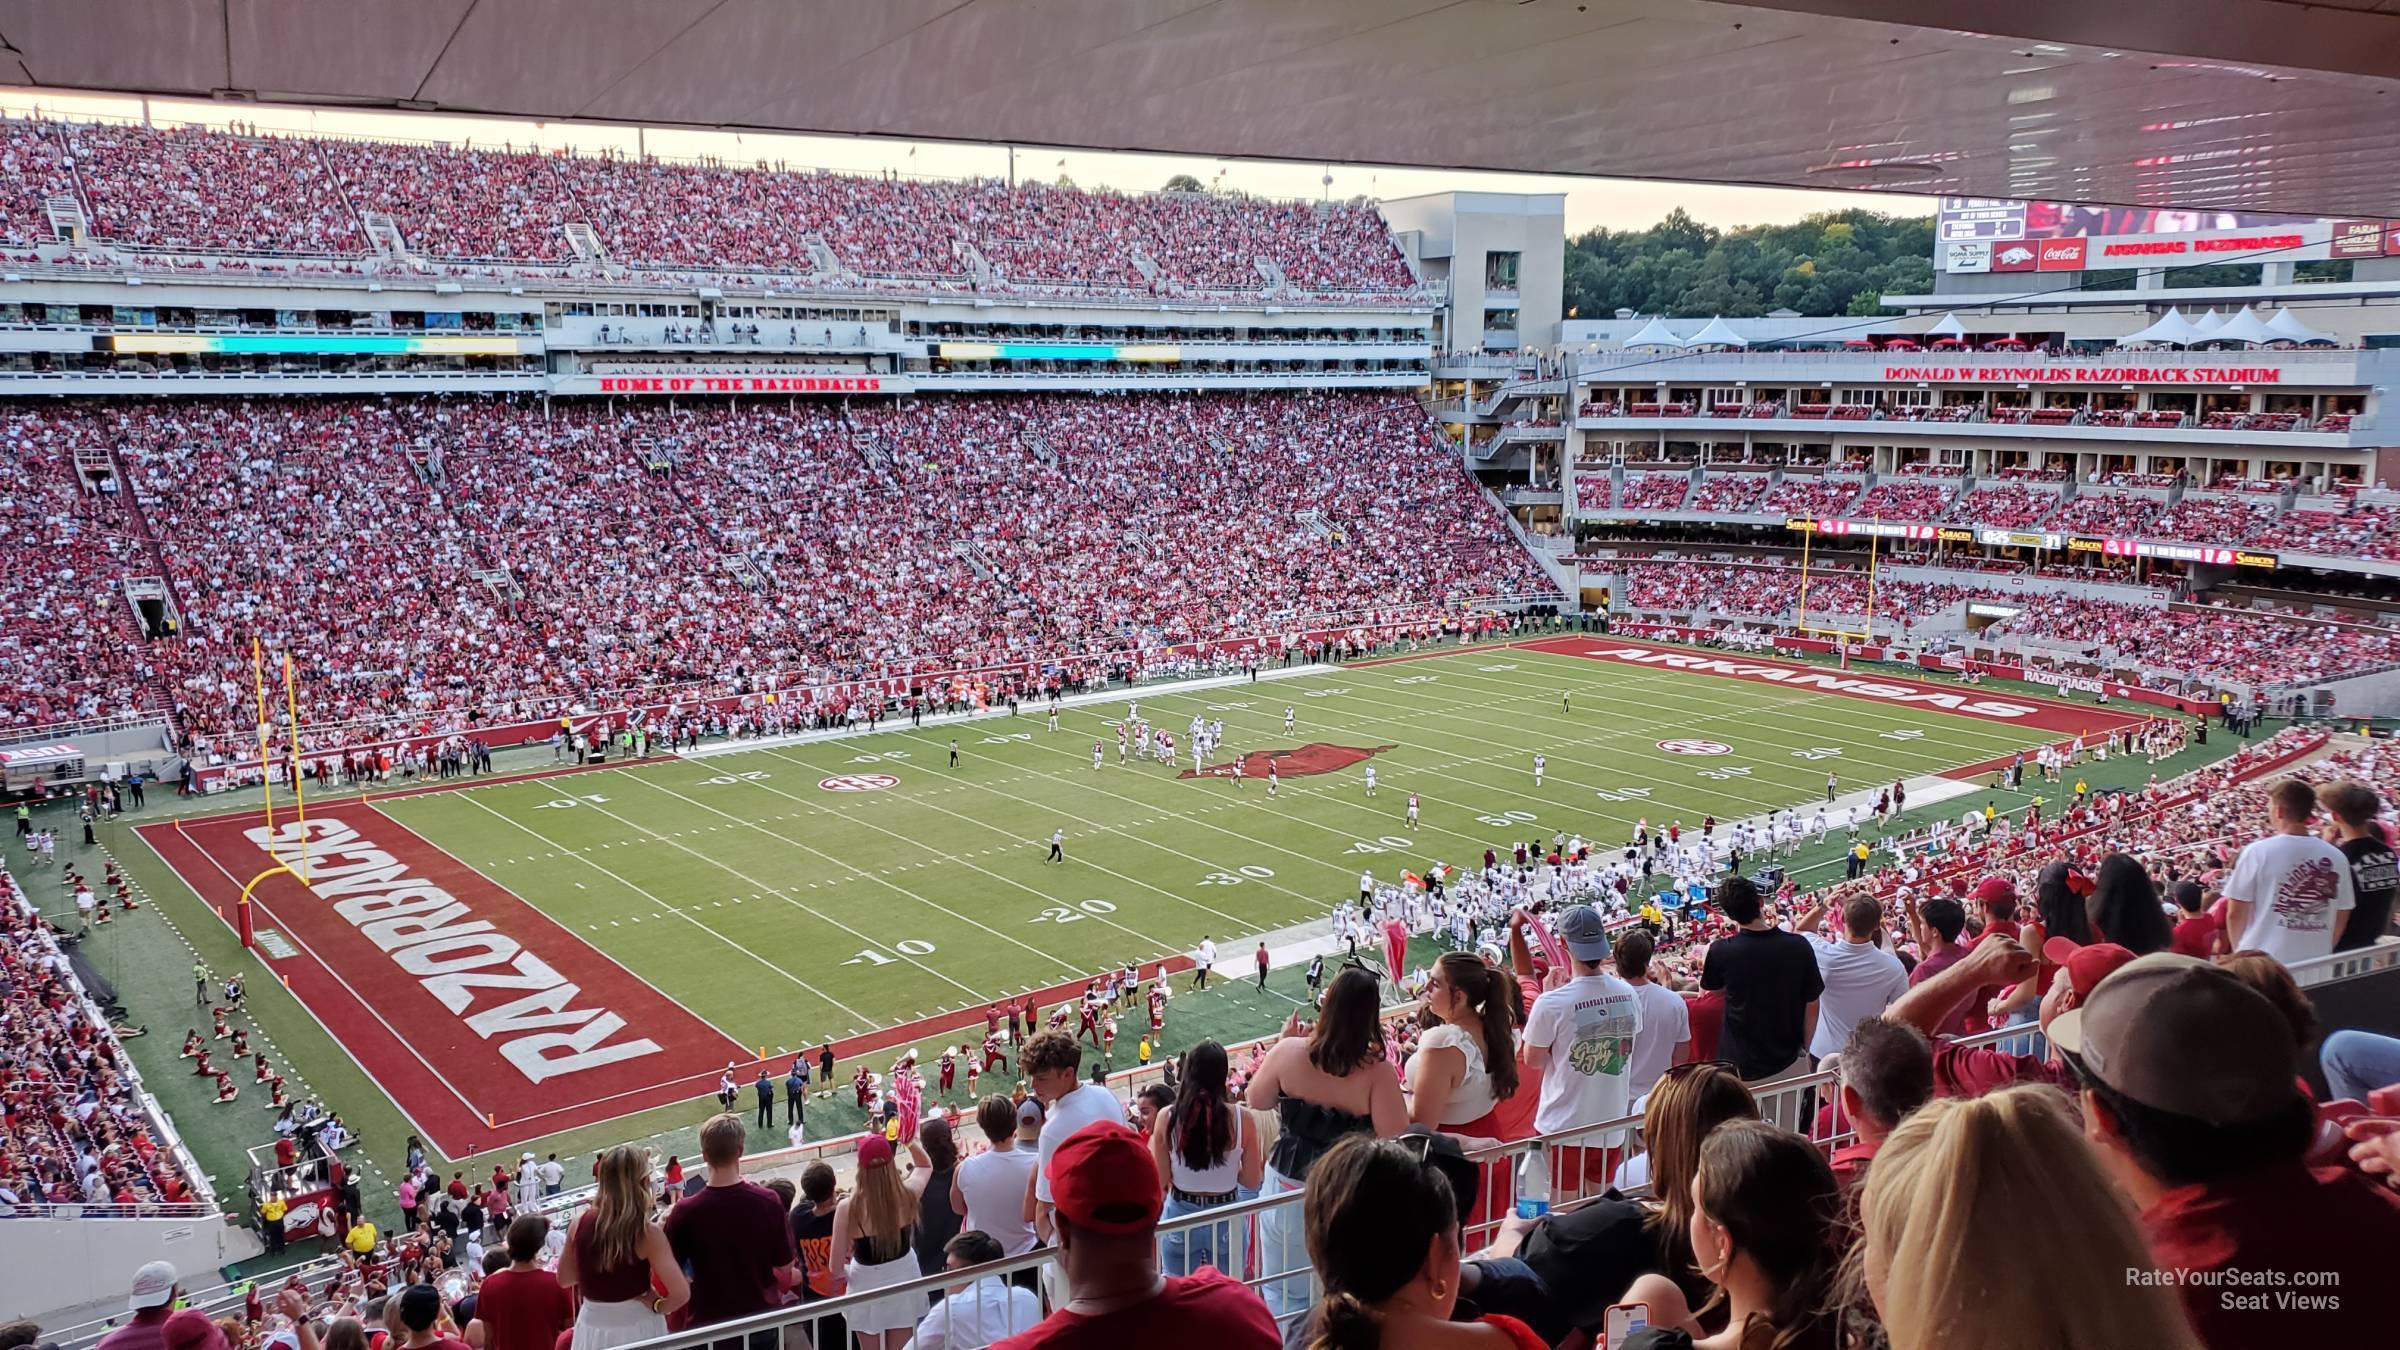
x: 1995, y: 888
x: 2087, y: 964
x: 1104, y: 1180
x: 874, y: 1151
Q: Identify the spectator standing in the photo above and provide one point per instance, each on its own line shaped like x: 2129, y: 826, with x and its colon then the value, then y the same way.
x: 2125, y: 908
x: 1332, y: 1082
x: 2290, y: 894
x: 1771, y: 985
x: 1108, y: 1201
x: 979, y: 1312
x: 1466, y: 1063
x: 614, y: 1252
x: 1936, y: 925
x: 1208, y: 1154
x: 2189, y: 1090
x: 732, y: 1236
x: 1964, y: 1178
x: 1049, y: 1065
x: 2199, y: 931
x: 151, y: 1300
x: 522, y: 1307
x: 874, y: 1231
x: 1665, y: 1037
x: 1857, y: 978
x: 421, y: 1317
x: 930, y: 1182
x: 988, y: 1190
x: 1580, y: 1037
x: 2374, y: 871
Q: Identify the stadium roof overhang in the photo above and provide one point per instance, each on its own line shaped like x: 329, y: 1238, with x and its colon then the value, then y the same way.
x: 2223, y: 104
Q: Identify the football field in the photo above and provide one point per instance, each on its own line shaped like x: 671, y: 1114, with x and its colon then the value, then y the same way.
x: 514, y: 957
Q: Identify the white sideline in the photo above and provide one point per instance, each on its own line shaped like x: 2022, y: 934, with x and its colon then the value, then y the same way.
x: 1164, y: 688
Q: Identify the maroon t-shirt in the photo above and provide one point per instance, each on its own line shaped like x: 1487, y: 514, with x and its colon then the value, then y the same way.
x: 732, y: 1239
x: 1206, y: 1311
x: 1962, y: 1072
x: 522, y: 1310
x: 2286, y: 1223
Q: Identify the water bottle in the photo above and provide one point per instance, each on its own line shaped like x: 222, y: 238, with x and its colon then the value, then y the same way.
x: 1533, y: 1184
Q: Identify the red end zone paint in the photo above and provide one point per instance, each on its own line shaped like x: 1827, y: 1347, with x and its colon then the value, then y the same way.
x: 460, y: 1000
x: 2016, y: 710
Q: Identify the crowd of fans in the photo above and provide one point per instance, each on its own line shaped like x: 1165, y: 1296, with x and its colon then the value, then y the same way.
x: 425, y: 559
x: 70, y: 650
x: 2142, y: 1137
x: 2113, y: 515
x: 2005, y: 506
x: 2210, y: 643
x: 72, y: 1125
x: 197, y: 191
x: 1773, y: 589
x: 2360, y: 532
x: 1813, y: 498
x: 1903, y: 500
x: 2220, y: 520
x: 1655, y: 491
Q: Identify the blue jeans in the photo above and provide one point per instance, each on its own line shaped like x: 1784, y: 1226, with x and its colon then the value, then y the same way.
x: 1283, y: 1248
x: 2358, y: 1062
x: 1217, y: 1244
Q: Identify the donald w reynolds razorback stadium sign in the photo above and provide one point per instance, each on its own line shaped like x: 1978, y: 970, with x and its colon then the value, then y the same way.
x: 2072, y: 374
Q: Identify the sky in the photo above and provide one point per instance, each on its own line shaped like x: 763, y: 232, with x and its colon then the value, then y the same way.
x: 1616, y: 203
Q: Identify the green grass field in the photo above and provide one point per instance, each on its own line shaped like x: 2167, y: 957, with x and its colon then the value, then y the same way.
x: 783, y: 913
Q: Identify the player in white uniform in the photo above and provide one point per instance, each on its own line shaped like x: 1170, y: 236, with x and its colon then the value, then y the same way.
x: 1288, y: 719
x: 1539, y: 763
x: 1370, y: 780
x: 1412, y: 808
x: 1816, y: 827
x: 1097, y: 752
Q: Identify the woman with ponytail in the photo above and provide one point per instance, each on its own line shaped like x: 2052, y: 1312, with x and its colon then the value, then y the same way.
x: 1766, y: 1230
x: 1466, y: 1062
x: 1383, y: 1234
x: 1208, y: 1155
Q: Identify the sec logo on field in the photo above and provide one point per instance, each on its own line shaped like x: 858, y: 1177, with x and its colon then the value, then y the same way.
x: 1695, y: 747
x: 859, y: 782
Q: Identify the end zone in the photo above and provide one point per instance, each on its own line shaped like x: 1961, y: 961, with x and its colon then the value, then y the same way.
x: 486, y: 1022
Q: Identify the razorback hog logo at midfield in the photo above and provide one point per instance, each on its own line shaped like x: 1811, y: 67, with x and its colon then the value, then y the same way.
x: 1315, y: 757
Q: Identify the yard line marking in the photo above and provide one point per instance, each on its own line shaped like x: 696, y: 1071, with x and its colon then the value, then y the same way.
x: 793, y: 901
x: 646, y: 893
x: 1047, y: 900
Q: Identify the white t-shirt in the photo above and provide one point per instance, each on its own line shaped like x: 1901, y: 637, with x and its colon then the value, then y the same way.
x: 994, y: 1186
x: 2297, y: 882
x: 1089, y: 1102
x: 1861, y: 980
x: 1588, y: 1025
x: 987, y: 1311
x: 1666, y: 1023
x: 1206, y: 956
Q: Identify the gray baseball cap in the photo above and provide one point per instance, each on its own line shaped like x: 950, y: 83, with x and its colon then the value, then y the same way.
x: 1584, y: 932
